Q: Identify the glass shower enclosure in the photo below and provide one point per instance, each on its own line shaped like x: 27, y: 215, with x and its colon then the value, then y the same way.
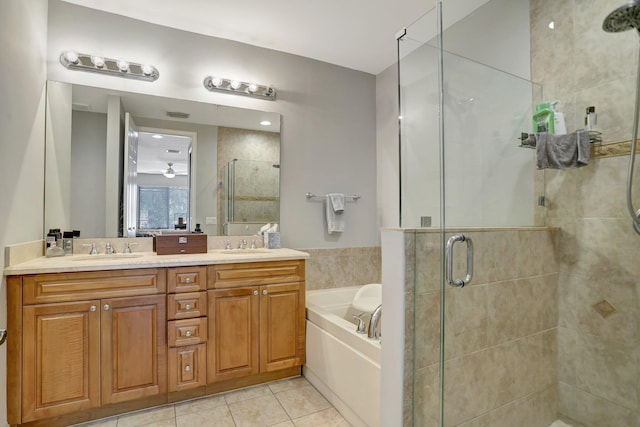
x: 249, y: 195
x: 467, y: 187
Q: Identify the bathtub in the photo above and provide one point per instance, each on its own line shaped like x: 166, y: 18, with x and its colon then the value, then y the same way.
x: 343, y: 365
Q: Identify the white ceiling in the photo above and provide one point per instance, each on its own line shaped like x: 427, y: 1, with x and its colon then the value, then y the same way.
x: 358, y: 34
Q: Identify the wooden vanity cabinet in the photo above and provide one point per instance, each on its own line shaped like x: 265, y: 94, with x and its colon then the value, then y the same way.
x: 256, y: 323
x: 78, y: 353
x: 85, y: 345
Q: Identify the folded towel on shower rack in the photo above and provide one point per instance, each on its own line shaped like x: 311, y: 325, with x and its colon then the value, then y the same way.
x: 562, y: 151
x: 334, y: 209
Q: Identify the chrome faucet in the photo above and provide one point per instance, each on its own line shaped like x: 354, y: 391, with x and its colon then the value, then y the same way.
x: 228, y: 247
x: 242, y: 244
x: 94, y: 250
x: 374, y: 332
x: 360, y: 328
x: 108, y: 249
x: 127, y: 249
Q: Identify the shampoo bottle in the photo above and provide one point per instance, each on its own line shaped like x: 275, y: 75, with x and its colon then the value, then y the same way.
x: 543, y: 119
x: 559, y: 125
x: 591, y: 120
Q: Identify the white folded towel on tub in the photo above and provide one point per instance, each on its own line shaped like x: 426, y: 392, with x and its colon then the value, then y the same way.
x: 334, y: 208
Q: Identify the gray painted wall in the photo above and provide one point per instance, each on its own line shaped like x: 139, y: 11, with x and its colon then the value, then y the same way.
x: 23, y: 43
x: 328, y: 112
x: 88, y: 171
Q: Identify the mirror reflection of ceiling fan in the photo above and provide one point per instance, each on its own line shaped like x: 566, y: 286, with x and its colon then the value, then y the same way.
x: 170, y: 173
x: 172, y: 170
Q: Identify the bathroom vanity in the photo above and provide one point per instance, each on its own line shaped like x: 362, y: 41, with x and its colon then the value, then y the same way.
x: 91, y: 337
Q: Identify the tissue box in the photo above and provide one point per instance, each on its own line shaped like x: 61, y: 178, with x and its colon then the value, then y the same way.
x: 272, y: 240
x: 171, y: 244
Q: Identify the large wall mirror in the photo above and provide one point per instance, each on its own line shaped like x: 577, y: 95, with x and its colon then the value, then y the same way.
x: 127, y: 164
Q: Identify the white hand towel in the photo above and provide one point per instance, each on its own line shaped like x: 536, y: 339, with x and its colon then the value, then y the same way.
x: 337, y: 201
x: 335, y: 218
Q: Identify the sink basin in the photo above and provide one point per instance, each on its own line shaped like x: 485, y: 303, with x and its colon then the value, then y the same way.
x: 104, y: 257
x: 244, y: 251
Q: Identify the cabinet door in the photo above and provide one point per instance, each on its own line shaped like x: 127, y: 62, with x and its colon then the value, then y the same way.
x: 134, y: 348
x: 233, y: 333
x: 187, y: 367
x: 282, y: 333
x: 61, y: 359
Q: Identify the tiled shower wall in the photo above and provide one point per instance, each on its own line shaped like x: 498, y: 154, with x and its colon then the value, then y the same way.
x: 599, y: 293
x: 340, y: 267
x: 500, y: 330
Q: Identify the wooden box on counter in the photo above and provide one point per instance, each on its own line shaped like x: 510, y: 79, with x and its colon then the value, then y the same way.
x: 172, y: 244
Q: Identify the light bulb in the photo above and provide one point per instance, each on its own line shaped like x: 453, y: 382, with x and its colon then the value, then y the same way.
x: 98, y: 61
x: 552, y: 25
x: 253, y: 87
x: 265, y: 123
x: 123, y: 65
x: 235, y: 85
x: 147, y: 69
x: 71, y: 56
x: 216, y: 81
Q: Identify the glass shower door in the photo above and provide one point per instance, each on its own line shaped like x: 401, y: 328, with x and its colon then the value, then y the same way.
x: 466, y: 181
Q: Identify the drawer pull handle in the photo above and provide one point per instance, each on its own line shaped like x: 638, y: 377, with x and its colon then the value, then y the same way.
x: 187, y: 280
x: 187, y: 334
x: 93, y: 308
x: 187, y: 307
x: 264, y: 292
x: 187, y: 368
x: 106, y: 307
x: 255, y: 292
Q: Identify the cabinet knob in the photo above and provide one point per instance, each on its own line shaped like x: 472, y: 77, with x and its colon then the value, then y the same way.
x: 93, y: 308
x: 106, y: 307
x: 187, y: 368
x: 187, y: 307
x: 187, y: 334
x: 264, y: 292
x: 255, y: 292
x: 187, y: 280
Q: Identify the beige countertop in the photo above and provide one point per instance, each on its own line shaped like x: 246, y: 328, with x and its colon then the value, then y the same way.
x: 73, y: 263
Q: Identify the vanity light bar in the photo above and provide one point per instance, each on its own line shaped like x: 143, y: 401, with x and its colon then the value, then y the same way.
x: 114, y: 67
x: 237, y: 87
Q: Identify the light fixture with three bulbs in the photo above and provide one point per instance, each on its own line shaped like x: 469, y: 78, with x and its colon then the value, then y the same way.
x: 237, y: 87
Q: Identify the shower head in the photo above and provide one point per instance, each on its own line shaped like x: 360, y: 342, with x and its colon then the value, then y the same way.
x: 623, y: 18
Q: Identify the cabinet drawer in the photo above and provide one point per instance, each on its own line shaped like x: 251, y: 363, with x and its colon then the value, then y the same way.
x: 187, y: 279
x: 187, y: 367
x: 58, y: 287
x: 254, y: 273
x: 187, y: 332
x: 187, y: 305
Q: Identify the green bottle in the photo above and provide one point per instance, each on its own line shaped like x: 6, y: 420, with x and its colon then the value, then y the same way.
x: 543, y: 119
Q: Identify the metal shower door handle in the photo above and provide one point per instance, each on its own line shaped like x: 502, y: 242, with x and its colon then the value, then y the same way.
x: 459, y: 283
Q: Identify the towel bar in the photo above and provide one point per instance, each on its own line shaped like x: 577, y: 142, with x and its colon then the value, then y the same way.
x: 311, y: 195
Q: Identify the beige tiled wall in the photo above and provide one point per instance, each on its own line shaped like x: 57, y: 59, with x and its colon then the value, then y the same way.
x: 599, y: 350
x: 500, y: 330
x: 340, y: 267
x: 598, y: 354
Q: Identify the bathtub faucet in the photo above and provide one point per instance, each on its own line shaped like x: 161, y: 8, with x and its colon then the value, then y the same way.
x: 374, y: 331
x: 360, y: 329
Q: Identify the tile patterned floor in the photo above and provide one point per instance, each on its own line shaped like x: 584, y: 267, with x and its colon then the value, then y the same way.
x: 286, y: 403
